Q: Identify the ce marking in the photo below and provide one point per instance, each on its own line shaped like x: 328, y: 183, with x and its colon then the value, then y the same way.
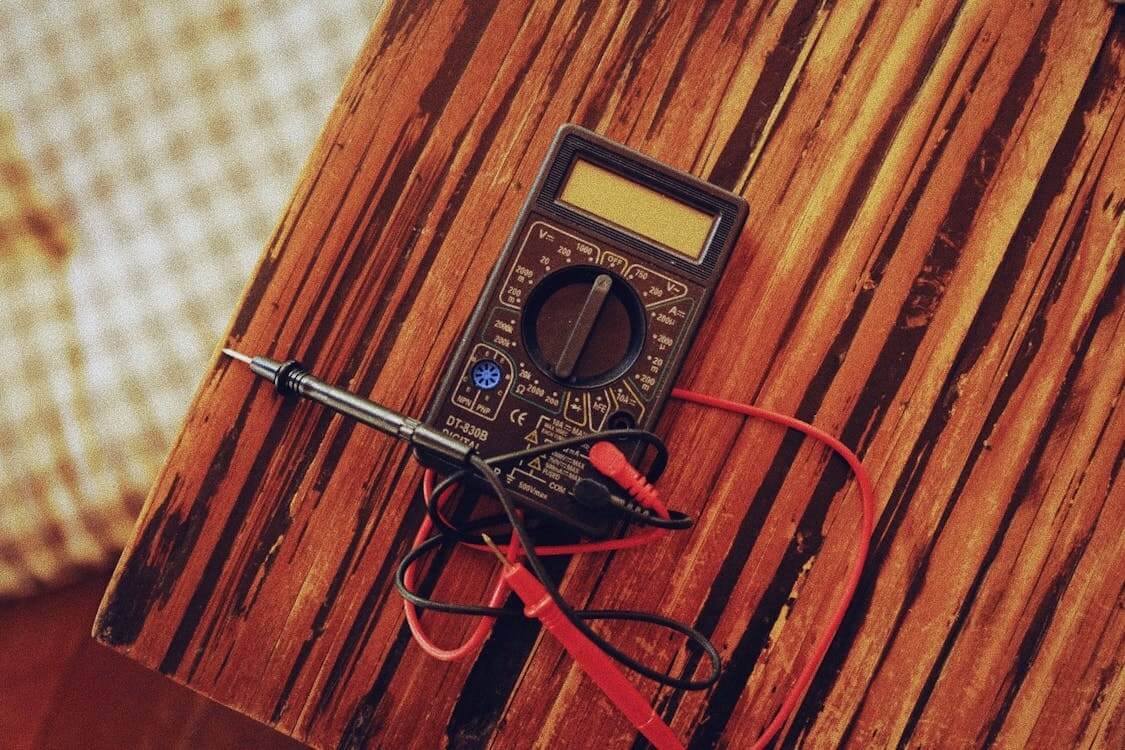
x: 517, y: 416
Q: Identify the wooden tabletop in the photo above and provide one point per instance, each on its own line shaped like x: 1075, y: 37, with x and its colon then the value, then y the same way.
x: 932, y: 269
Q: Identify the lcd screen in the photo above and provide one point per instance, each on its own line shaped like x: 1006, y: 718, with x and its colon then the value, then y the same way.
x: 637, y: 209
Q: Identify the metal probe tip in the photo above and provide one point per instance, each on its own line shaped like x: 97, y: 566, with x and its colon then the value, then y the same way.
x: 236, y: 355
x: 496, y: 550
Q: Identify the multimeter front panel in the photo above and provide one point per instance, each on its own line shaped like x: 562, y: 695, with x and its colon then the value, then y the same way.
x: 587, y: 316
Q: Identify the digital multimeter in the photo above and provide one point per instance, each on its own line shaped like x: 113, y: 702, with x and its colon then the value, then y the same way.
x: 587, y: 316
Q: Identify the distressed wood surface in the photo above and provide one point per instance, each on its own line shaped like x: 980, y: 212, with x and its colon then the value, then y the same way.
x: 932, y: 268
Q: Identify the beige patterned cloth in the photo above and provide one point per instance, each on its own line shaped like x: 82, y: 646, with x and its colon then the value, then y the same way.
x: 147, y: 148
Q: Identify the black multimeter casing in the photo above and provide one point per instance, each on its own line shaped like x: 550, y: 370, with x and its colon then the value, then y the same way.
x: 663, y: 294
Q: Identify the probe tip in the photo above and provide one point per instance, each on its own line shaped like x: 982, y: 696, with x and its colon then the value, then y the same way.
x: 496, y: 550
x: 236, y: 355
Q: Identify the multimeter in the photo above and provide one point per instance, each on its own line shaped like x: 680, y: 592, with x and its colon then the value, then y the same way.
x: 587, y: 316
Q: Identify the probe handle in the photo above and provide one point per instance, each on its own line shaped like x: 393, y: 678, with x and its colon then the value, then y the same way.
x: 292, y: 378
x: 594, y: 662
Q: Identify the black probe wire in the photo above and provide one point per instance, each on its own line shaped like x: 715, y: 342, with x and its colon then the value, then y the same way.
x: 484, y: 469
x: 655, y: 470
x: 291, y: 378
x: 677, y: 521
x: 579, y: 618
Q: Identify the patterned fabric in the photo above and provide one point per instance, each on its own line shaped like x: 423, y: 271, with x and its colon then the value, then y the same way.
x: 168, y: 136
x: 46, y: 516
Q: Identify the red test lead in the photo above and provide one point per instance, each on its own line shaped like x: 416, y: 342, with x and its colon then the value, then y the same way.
x: 608, y: 459
x: 597, y: 665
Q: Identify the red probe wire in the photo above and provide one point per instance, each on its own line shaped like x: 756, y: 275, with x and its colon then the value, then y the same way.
x: 647, y: 496
x: 500, y: 592
x: 867, y: 499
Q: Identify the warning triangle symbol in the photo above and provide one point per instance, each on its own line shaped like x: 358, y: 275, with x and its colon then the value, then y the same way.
x: 532, y: 437
x: 536, y: 463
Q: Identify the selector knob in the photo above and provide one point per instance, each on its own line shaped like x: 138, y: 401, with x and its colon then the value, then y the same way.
x: 583, y: 326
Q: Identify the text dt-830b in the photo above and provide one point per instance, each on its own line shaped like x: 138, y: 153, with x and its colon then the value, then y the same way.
x: 587, y: 316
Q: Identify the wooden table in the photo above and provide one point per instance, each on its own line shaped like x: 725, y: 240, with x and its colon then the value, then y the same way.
x: 931, y: 269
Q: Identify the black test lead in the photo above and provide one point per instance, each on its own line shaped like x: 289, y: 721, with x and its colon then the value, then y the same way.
x: 291, y: 378
x: 541, y: 596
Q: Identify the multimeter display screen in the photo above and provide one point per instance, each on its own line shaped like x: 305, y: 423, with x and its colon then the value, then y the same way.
x: 637, y: 209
